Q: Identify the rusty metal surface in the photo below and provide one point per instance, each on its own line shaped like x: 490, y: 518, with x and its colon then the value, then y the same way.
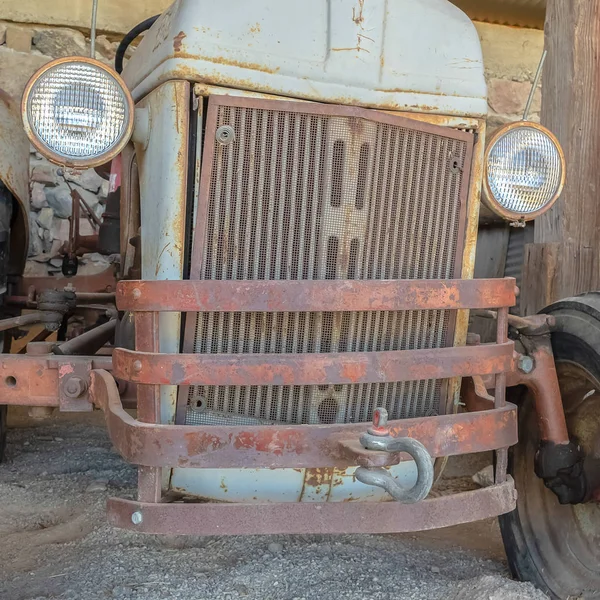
x: 14, y: 174
x: 73, y: 386
x: 298, y: 446
x: 104, y: 282
x: 315, y: 295
x: 34, y: 379
x: 163, y: 163
x: 311, y: 369
x: 313, y: 517
x: 543, y: 384
x: 347, y: 53
x: 148, y: 403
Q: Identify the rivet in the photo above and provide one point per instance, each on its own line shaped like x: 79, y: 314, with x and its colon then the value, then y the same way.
x: 137, y: 366
x: 137, y: 294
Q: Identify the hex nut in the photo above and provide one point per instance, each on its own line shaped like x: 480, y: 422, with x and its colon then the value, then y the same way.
x: 136, y: 517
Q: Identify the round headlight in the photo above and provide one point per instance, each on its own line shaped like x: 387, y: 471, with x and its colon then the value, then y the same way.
x: 77, y: 112
x: 524, y: 171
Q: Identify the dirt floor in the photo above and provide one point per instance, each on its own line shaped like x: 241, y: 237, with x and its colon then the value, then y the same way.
x: 55, y: 542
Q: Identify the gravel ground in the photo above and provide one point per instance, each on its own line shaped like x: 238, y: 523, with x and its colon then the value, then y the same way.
x: 56, y: 543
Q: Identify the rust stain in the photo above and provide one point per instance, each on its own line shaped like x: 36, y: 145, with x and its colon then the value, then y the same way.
x: 221, y: 60
x: 158, y: 259
x: 178, y: 41
x: 255, y: 28
x: 357, y: 15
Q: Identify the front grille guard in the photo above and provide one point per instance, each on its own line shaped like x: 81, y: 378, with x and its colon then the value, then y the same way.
x: 154, y: 446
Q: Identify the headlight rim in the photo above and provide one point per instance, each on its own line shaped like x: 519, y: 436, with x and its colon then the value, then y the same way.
x: 77, y: 163
x: 487, y: 196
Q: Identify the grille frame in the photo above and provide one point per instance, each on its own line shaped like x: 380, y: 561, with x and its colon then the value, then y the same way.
x: 198, y: 237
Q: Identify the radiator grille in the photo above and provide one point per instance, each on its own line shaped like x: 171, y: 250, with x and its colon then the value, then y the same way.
x: 300, y: 195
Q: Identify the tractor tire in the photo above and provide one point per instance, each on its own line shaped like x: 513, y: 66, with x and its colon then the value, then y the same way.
x: 554, y: 546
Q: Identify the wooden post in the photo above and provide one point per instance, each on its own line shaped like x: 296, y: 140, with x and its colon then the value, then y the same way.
x: 565, y: 257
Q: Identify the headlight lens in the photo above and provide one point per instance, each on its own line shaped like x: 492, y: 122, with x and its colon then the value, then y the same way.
x: 524, y: 171
x: 77, y: 112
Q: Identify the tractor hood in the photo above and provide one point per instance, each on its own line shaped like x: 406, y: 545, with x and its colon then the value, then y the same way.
x: 421, y: 56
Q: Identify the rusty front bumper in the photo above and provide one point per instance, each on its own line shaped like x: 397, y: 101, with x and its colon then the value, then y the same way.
x: 154, y: 446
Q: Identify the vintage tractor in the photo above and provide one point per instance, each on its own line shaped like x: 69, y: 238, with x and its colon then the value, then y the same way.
x: 298, y: 218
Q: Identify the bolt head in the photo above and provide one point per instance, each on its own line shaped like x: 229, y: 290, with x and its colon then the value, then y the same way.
x: 75, y: 387
x: 380, y: 417
x: 525, y: 364
x: 137, y: 366
x: 136, y: 517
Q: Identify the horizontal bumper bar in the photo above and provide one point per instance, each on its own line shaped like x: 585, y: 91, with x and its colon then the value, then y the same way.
x: 294, y: 446
x: 312, y: 517
x: 311, y: 369
x: 328, y: 296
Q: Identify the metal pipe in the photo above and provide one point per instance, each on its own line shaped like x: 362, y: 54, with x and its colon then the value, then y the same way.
x: 21, y: 321
x: 500, y: 394
x: 534, y: 85
x: 88, y: 342
x: 93, y: 29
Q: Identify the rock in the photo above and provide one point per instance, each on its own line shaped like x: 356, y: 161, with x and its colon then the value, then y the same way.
x: 96, y: 486
x: 85, y: 227
x: 56, y: 263
x: 435, y: 570
x: 104, y: 189
x: 485, y: 477
x: 35, y: 269
x: 510, y: 97
x: 2, y: 33
x: 47, y: 240
x: 59, y: 198
x: 88, y: 179
x: 60, y: 229
x: 60, y: 42
x: 90, y: 198
x: 59, y: 439
x: 45, y: 174
x: 275, y: 548
x: 107, y: 48
x: 38, y: 196
x: 35, y: 242
x: 17, y: 68
x: 44, y: 218
x: 495, y: 121
x: 41, y: 258
x: 18, y: 38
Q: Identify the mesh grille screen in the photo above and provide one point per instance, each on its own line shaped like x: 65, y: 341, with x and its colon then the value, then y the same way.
x: 310, y: 196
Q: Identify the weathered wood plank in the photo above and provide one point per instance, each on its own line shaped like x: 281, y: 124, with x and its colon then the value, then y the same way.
x: 571, y: 109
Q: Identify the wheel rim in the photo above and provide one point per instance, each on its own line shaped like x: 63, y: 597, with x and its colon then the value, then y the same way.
x: 563, y: 540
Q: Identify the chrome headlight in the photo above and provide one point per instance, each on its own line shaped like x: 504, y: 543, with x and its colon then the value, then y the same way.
x: 524, y: 171
x: 77, y: 112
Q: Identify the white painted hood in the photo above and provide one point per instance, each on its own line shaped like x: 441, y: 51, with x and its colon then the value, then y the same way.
x: 416, y: 55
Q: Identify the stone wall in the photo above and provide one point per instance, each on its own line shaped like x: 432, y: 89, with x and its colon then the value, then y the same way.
x: 23, y: 49
x: 32, y: 32
x: 511, y: 56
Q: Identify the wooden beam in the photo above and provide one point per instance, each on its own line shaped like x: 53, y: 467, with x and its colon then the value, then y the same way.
x: 571, y: 109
